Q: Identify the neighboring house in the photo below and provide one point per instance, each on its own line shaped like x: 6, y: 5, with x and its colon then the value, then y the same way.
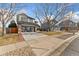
x: 45, y: 25
x: 67, y: 25
x: 67, y: 22
x: 28, y: 24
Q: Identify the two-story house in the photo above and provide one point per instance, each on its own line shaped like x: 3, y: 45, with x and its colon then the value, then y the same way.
x: 27, y: 23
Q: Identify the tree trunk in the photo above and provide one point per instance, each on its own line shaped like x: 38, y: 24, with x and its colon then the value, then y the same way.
x: 2, y: 31
x: 3, y: 28
x: 49, y: 28
x: 34, y: 29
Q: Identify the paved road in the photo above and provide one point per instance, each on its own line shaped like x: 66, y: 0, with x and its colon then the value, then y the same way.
x: 73, y: 49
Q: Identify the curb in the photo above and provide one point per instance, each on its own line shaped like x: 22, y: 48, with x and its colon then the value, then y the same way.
x: 52, y: 51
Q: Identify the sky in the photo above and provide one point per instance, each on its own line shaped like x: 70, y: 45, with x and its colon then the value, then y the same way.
x: 29, y: 8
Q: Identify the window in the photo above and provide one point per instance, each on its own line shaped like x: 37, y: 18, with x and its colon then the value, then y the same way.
x: 23, y: 18
x: 30, y: 20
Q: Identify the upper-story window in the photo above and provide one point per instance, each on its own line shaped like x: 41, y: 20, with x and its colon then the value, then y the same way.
x: 25, y: 18
x: 30, y: 20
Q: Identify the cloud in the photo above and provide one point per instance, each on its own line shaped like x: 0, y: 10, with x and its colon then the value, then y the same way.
x: 75, y: 18
x: 77, y: 12
x: 22, y: 11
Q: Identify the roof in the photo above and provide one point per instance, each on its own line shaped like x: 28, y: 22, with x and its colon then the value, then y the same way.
x: 26, y: 16
x: 29, y: 23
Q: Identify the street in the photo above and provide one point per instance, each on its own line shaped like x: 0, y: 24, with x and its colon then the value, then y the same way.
x: 73, y: 49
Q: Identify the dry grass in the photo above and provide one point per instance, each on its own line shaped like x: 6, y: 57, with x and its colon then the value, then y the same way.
x: 52, y: 33
x: 9, y: 39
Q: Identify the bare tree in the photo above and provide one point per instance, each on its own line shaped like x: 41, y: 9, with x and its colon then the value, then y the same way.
x: 6, y: 15
x: 77, y: 25
x: 46, y: 11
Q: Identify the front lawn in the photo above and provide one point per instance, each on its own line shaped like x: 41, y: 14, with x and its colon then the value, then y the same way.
x: 52, y: 33
x: 9, y: 39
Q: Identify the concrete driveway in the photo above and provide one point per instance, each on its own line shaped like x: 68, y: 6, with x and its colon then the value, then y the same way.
x: 41, y: 43
x: 32, y: 35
